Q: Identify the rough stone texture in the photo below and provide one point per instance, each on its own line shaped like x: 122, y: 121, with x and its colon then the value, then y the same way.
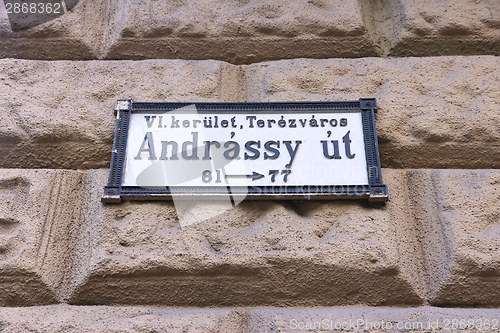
x: 249, y: 31
x: 244, y: 31
x: 433, y: 112
x: 39, y: 214
x: 64, y: 318
x: 436, y: 241
x: 426, y: 27
x: 437, y: 112
x: 460, y: 234
x: 79, y: 34
x: 259, y: 253
x: 60, y: 114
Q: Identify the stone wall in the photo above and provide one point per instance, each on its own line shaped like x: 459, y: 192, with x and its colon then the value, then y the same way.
x: 248, y: 31
x: 430, y: 254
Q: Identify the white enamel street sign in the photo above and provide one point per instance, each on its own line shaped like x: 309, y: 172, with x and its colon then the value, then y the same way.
x: 276, y: 150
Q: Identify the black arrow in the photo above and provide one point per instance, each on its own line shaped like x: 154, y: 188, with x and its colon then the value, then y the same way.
x: 254, y: 176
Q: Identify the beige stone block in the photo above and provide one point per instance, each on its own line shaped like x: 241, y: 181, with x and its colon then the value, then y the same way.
x: 448, y: 27
x: 259, y: 253
x: 77, y: 34
x: 68, y: 319
x: 458, y: 219
x: 60, y: 114
x: 235, y: 31
x: 243, y: 31
x: 65, y: 319
x: 435, y: 112
x: 39, y: 214
x: 439, y: 112
x: 238, y: 32
x: 435, y: 241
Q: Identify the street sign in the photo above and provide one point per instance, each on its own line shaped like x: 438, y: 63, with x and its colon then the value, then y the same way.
x: 287, y: 150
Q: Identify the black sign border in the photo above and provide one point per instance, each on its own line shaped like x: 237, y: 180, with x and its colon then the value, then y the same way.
x: 376, y: 191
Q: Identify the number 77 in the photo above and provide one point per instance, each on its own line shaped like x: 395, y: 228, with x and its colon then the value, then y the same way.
x: 273, y: 174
